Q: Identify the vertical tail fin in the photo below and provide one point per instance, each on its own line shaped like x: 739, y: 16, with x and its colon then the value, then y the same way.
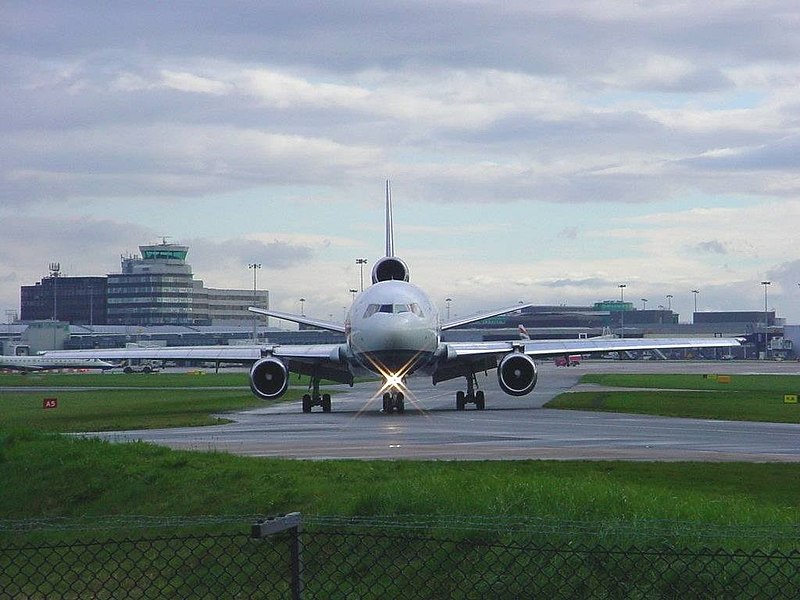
x: 389, y: 267
x: 389, y: 224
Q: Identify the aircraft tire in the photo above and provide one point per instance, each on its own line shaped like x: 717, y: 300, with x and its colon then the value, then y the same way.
x: 399, y: 403
x: 480, y: 400
x: 460, y: 400
x: 326, y: 403
x: 306, y: 403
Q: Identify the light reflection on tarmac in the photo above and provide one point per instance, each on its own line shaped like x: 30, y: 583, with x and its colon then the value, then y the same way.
x: 509, y: 428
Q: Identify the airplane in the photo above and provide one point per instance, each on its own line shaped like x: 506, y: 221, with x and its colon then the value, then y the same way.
x: 393, y: 330
x: 47, y: 363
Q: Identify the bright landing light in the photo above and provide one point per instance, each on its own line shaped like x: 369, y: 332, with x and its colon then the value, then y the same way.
x: 393, y: 381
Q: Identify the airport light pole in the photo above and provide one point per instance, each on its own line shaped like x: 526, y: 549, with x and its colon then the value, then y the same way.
x: 255, y: 267
x: 302, y: 307
x: 354, y: 291
x: 766, y: 284
x: 644, y: 303
x: 669, y: 301
x: 55, y: 271
x: 622, y: 287
x: 448, y: 301
x: 361, y: 262
x: 695, y: 292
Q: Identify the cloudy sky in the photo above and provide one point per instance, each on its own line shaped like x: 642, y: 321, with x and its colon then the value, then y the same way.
x: 538, y: 151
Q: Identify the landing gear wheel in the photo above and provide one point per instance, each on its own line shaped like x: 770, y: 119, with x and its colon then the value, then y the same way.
x: 306, y: 403
x: 480, y: 400
x: 460, y: 400
x: 394, y: 401
x: 326, y: 403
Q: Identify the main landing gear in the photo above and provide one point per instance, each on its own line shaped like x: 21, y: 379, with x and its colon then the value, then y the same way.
x: 471, y: 396
x: 394, y: 401
x: 315, y: 398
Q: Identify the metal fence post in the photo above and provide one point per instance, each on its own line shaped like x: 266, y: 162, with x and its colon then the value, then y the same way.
x: 293, y: 523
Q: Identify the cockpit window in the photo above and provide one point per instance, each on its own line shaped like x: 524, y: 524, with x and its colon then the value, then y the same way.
x: 393, y: 309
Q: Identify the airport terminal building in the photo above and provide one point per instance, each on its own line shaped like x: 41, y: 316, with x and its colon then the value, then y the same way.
x: 156, y: 299
x: 155, y: 288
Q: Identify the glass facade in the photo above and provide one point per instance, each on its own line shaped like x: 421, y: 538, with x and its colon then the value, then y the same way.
x: 77, y: 300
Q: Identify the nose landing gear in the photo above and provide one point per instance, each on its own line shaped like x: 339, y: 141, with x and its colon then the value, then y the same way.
x: 394, y: 401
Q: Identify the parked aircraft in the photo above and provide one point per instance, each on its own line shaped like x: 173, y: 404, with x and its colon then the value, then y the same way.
x: 393, y: 330
x: 45, y: 363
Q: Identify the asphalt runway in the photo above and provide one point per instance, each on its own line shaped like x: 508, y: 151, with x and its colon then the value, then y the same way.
x: 509, y: 428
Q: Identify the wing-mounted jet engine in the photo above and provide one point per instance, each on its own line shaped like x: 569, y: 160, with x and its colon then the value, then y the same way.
x: 517, y: 374
x: 269, y: 378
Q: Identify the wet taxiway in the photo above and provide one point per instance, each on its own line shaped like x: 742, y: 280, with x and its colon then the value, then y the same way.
x: 509, y: 428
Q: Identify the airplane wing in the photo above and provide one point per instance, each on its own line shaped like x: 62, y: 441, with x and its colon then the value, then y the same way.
x: 313, y: 359
x: 302, y: 319
x: 547, y: 348
x: 461, y: 357
x: 480, y: 317
x: 205, y: 353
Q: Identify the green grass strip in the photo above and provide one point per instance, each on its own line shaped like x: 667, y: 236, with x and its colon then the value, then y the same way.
x: 739, y: 398
x: 50, y: 475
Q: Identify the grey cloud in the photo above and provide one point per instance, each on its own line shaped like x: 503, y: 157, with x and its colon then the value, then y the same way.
x: 788, y: 274
x: 71, y: 133
x: 83, y: 247
x: 353, y: 35
x: 778, y: 154
x: 207, y: 254
x: 569, y: 233
x: 587, y: 282
x: 712, y: 247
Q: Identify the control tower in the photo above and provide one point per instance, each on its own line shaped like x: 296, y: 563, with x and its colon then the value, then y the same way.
x: 152, y: 289
x: 163, y: 258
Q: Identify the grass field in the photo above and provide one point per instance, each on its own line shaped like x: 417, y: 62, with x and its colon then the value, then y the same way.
x: 739, y: 397
x: 118, y: 379
x: 45, y: 474
x: 51, y: 475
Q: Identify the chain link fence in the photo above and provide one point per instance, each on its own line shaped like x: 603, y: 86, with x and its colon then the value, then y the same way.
x: 330, y: 558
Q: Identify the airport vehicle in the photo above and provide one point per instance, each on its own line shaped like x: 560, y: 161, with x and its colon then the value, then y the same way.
x: 50, y: 363
x: 393, y: 330
x: 143, y: 366
x: 573, y: 360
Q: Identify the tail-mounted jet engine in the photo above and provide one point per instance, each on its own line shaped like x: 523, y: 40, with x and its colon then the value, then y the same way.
x: 389, y: 268
x: 517, y: 374
x: 269, y: 378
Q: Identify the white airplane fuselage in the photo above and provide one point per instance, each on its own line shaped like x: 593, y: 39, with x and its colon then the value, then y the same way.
x: 393, y: 328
